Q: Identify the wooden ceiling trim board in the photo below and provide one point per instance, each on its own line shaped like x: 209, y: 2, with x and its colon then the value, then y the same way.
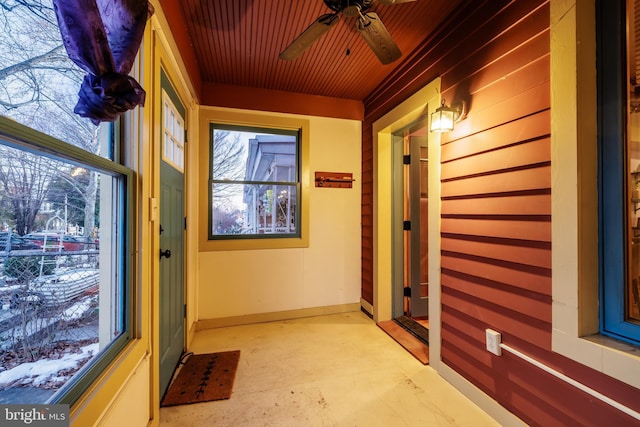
x: 248, y: 98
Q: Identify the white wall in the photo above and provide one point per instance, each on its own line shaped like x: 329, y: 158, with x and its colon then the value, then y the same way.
x: 327, y: 273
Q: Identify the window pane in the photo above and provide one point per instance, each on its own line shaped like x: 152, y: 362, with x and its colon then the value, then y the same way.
x: 251, y: 156
x: 39, y: 84
x: 173, y: 135
x: 61, y: 272
x: 247, y: 209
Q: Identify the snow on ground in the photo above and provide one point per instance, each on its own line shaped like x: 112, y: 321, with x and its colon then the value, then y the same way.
x: 73, y: 312
x: 9, y: 288
x: 70, y: 276
x: 46, y: 370
x: 78, y: 309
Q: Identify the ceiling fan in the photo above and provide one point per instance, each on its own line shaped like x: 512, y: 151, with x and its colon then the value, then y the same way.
x: 368, y: 24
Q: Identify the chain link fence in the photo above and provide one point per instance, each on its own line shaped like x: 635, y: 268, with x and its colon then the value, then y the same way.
x: 49, y: 301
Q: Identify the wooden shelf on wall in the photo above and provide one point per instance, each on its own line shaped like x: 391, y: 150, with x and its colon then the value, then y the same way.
x: 334, y: 179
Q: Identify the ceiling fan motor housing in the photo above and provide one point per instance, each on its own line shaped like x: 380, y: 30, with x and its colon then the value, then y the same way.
x: 349, y: 7
x: 368, y: 25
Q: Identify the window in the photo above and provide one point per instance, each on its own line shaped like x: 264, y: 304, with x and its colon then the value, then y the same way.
x: 619, y: 168
x: 66, y: 292
x: 173, y: 134
x: 576, y: 111
x: 254, y: 182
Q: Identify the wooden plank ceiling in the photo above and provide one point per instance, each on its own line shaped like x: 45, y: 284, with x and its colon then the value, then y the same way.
x: 237, y: 42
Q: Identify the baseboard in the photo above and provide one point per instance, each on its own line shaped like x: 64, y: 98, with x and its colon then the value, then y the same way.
x: 191, y: 333
x: 275, y: 316
x: 485, y: 402
x: 366, y: 307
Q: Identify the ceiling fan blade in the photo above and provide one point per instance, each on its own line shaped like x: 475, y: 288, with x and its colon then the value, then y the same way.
x: 378, y: 38
x: 390, y: 2
x: 310, y: 35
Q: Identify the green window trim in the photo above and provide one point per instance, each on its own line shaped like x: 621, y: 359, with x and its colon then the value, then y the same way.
x: 264, y: 121
x: 213, y: 181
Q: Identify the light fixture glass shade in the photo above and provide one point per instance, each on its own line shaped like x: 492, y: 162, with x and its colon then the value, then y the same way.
x: 442, y: 119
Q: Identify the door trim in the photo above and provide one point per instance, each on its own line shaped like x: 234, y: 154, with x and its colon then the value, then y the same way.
x: 422, y: 103
x: 164, y: 59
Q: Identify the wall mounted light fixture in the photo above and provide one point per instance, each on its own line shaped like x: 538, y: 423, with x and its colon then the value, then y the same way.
x: 443, y: 119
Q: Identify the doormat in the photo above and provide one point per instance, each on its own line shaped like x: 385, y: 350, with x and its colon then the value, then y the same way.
x: 414, y: 328
x: 203, y: 377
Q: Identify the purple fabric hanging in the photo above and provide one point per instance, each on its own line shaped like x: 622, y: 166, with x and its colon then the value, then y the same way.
x: 103, y: 37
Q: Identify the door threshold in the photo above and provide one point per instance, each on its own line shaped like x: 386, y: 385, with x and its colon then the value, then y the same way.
x: 413, y: 345
x: 414, y: 328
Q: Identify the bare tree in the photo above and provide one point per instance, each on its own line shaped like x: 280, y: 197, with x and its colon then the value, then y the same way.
x: 38, y: 85
x: 227, y: 154
x: 25, y: 180
x: 227, y: 165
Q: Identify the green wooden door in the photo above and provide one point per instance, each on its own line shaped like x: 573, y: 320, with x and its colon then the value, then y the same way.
x: 172, y: 221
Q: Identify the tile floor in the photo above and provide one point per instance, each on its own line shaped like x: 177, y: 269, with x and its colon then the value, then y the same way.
x: 336, y: 370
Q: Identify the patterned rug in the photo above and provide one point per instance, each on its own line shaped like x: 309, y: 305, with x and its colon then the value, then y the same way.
x: 204, y: 377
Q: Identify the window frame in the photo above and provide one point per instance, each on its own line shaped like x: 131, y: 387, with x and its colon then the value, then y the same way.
x: 267, y: 121
x: 574, y: 168
x: 613, y: 171
x: 22, y: 137
x: 258, y: 130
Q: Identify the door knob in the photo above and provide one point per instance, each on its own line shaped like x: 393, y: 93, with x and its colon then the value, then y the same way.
x: 166, y: 253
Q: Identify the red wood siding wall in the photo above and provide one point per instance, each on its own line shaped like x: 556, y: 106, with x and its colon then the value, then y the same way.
x: 496, y: 210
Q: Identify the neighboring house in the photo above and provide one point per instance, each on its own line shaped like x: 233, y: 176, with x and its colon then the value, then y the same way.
x: 270, y: 208
x: 513, y: 215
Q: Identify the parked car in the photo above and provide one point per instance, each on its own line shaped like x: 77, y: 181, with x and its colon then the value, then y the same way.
x: 69, y: 243
x: 88, y: 242
x: 13, y: 242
